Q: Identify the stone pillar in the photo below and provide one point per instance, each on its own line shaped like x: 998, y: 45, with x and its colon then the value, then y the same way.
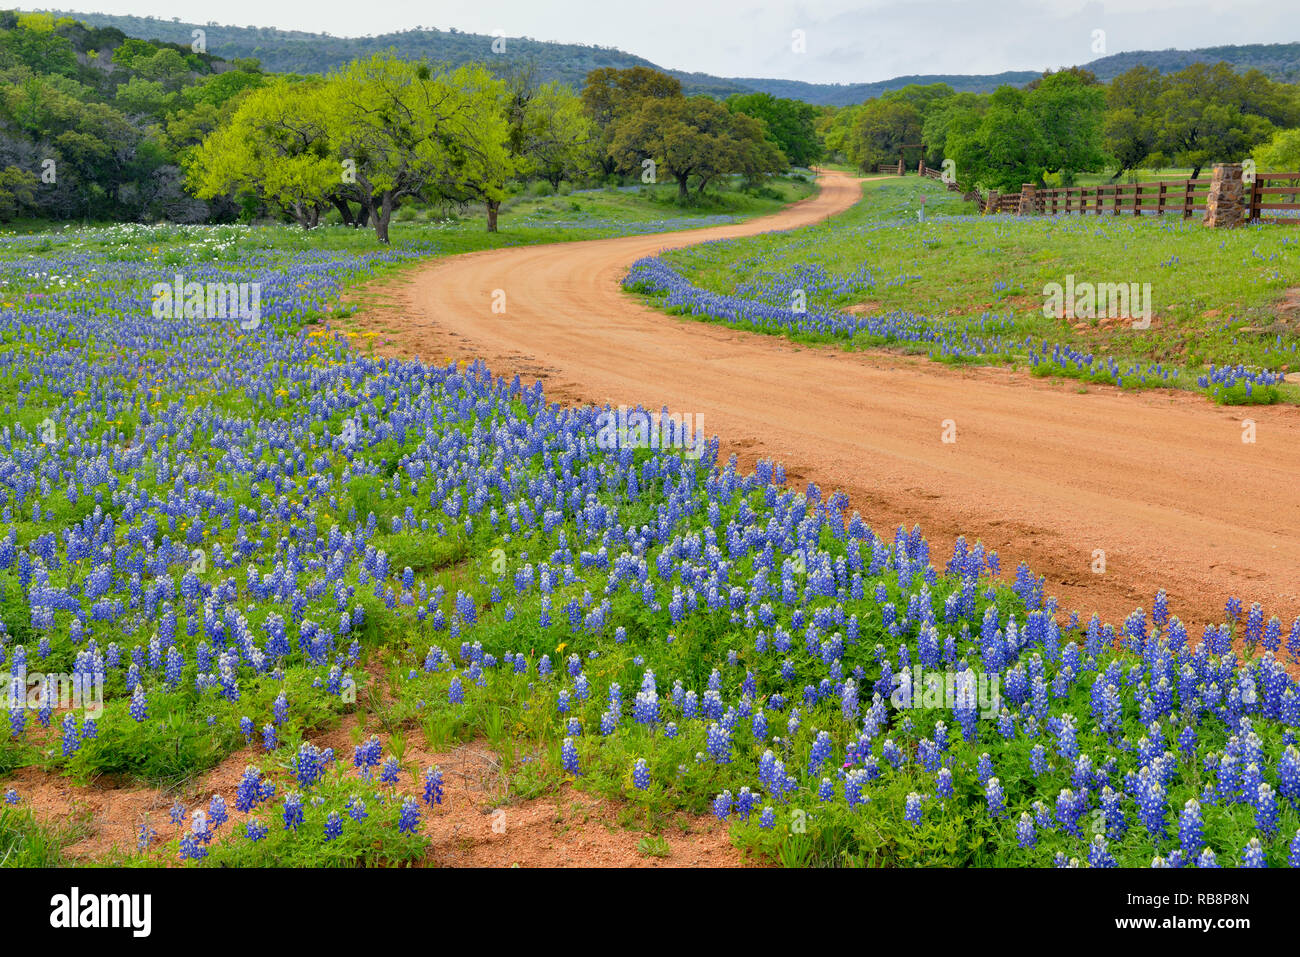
x: 1226, y: 204
x: 1027, y: 200
x: 991, y: 205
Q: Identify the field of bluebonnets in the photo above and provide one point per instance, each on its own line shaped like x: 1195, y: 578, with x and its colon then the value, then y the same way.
x: 243, y: 533
x: 963, y: 287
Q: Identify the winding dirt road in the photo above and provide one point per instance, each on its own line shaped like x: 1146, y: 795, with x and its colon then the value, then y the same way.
x: 1161, y: 482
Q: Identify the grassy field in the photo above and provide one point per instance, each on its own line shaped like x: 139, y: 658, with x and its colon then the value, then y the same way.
x: 965, y: 287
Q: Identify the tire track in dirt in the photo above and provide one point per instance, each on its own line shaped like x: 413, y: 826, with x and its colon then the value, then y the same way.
x: 1160, y: 481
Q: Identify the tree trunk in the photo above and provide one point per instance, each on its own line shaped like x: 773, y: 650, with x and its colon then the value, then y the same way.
x: 493, y: 205
x: 381, y: 216
x: 683, y: 194
x: 301, y: 215
x: 345, y: 210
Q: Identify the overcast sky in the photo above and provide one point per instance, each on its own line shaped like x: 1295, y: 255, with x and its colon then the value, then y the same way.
x: 845, y: 41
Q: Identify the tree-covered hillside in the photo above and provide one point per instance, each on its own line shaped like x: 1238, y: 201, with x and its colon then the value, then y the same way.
x: 293, y: 51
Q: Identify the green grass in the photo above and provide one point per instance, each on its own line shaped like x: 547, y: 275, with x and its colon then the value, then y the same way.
x: 26, y: 841
x: 1216, y: 294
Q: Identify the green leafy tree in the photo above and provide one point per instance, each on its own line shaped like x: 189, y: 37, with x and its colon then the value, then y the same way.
x: 413, y: 133
x: 275, y: 147
x: 1281, y: 154
x: 1006, y: 149
x: 17, y: 192
x: 959, y: 114
x: 1210, y: 114
x: 693, y: 137
x: 790, y: 124
x: 885, y: 131
x: 611, y: 95
x: 1132, y: 127
x: 1069, y: 111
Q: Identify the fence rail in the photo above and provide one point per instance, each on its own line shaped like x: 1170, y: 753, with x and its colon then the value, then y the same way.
x: 1163, y: 196
x: 1284, y: 184
x: 1227, y: 198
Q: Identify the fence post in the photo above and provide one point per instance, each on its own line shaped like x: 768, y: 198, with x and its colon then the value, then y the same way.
x: 1027, y: 200
x: 1225, y: 204
x: 920, y: 168
x: 991, y: 205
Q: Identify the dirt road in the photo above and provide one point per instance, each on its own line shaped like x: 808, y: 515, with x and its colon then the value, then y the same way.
x: 1162, y: 483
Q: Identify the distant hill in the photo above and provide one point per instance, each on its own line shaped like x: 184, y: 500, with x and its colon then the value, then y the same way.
x: 295, y: 51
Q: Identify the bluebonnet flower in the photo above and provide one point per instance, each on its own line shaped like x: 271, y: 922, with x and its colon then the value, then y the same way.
x: 640, y: 775
x: 767, y: 820
x: 356, y: 809
x: 821, y: 752
x: 192, y: 848
x: 996, y: 798
x: 433, y: 786
x: 1099, y: 853
x: 390, y: 773
x: 1191, y: 830
x: 71, y: 738
x: 293, y: 814
x: 943, y: 783
x: 178, y: 813
x: 745, y: 802
x: 217, y: 813
x: 719, y: 743
x: 333, y: 826
x: 1252, y: 855
x: 1266, y: 810
x: 409, y: 819
x: 912, y: 810
x: 1037, y: 760
x: 139, y: 704
x: 569, y: 756
x: 1026, y: 836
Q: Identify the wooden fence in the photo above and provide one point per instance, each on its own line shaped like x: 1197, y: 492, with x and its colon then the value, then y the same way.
x: 1279, y: 185
x: 1185, y: 197
x: 1224, y: 199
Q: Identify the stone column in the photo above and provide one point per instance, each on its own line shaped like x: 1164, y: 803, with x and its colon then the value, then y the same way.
x: 991, y: 205
x: 1027, y: 200
x: 1226, y: 205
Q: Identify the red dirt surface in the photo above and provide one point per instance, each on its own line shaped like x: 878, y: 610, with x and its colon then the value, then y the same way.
x: 565, y: 829
x: 1160, y: 481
